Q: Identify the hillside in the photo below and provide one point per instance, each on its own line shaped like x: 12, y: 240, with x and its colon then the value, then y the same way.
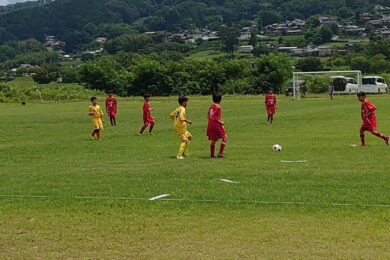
x: 76, y: 21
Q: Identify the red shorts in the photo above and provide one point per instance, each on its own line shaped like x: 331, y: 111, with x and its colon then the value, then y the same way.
x: 149, y: 122
x: 270, y: 110
x: 112, y: 113
x: 216, y: 133
x: 368, y: 127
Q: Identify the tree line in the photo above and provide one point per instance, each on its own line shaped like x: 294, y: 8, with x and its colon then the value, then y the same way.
x: 78, y: 22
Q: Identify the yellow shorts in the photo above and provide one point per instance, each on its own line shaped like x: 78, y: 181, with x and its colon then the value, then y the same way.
x: 185, y: 136
x: 97, y: 123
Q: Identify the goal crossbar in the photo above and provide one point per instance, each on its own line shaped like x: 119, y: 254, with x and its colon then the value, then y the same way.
x: 296, y: 88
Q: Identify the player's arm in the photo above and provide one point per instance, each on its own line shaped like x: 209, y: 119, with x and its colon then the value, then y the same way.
x: 172, y: 115
x: 90, y: 112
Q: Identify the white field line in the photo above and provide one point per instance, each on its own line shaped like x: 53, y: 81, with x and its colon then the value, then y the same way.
x: 300, y: 161
x: 160, y: 197
x: 228, y: 181
x: 335, y: 204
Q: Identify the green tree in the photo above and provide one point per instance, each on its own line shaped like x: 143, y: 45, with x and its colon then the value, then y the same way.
x: 360, y: 63
x: 310, y: 64
x: 46, y: 74
x: 272, y: 71
x: 229, y: 37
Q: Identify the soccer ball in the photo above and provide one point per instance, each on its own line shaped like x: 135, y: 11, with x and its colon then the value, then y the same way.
x: 277, y: 148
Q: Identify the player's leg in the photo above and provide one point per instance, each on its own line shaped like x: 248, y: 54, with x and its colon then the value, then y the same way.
x: 222, y: 147
x: 212, y: 149
x: 181, y: 150
x: 143, y: 128
x: 362, y: 137
x: 380, y: 135
x: 189, y: 139
x: 151, y: 127
x: 93, y: 133
x: 98, y: 134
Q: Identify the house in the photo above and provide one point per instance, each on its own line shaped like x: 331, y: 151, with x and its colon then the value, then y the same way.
x: 385, y: 34
x: 246, y: 48
x: 101, y: 39
x: 327, y: 20
x: 287, y: 49
x: 296, y: 23
x: 294, y: 32
x: 26, y: 66
x: 311, y: 51
x: 297, y: 52
x: 367, y: 16
x: 353, y: 42
x: 245, y: 36
x: 324, y: 51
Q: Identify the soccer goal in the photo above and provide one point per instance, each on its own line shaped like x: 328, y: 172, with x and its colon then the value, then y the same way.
x: 347, y: 82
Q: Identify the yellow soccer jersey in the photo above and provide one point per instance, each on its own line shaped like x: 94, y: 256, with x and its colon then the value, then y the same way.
x: 96, y: 110
x: 179, y: 115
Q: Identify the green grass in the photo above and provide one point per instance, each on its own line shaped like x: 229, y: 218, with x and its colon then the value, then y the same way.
x: 25, y: 89
x: 45, y: 150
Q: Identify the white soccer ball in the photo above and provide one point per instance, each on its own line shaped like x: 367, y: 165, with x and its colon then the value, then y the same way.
x: 277, y: 148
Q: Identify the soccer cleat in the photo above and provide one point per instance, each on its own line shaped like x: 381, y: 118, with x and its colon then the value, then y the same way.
x: 150, y: 134
x: 387, y: 141
x: 362, y: 145
x: 221, y: 156
x: 186, y: 154
x: 180, y: 157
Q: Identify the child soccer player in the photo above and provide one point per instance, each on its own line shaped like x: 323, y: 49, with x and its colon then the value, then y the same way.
x: 369, y: 119
x: 215, y: 127
x: 180, y: 125
x: 148, y: 119
x: 270, y: 105
x: 111, y: 108
x: 96, y: 114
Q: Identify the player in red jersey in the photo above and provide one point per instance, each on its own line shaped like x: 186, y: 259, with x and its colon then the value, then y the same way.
x: 215, y: 127
x: 270, y: 105
x: 369, y: 119
x: 111, y: 107
x: 147, y: 116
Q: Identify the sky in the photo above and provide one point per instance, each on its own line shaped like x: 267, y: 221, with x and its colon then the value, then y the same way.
x: 7, y: 2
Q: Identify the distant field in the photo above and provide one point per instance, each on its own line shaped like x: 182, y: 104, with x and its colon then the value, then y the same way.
x: 64, y: 196
x: 25, y: 89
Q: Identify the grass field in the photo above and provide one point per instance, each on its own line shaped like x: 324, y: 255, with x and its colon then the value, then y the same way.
x: 64, y: 196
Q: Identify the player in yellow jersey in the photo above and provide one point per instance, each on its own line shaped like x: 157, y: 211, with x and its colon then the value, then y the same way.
x: 96, y: 114
x: 180, y: 125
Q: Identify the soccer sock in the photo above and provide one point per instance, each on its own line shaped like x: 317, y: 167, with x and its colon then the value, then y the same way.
x: 112, y: 121
x: 362, y: 139
x: 142, y: 130
x: 151, y: 128
x: 98, y: 134
x: 380, y: 135
x: 94, y: 132
x: 222, y: 147
x: 187, y: 146
x: 212, y: 149
x: 272, y: 118
x: 268, y: 118
x: 181, y: 149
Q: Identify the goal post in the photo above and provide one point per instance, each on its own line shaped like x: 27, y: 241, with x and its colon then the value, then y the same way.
x: 296, y: 76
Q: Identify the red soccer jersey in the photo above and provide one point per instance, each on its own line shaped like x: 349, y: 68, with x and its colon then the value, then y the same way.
x: 111, y: 104
x: 215, y: 130
x: 367, y: 107
x: 270, y: 100
x: 147, y: 115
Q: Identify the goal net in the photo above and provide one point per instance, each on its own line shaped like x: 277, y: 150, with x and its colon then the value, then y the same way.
x: 345, y: 82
